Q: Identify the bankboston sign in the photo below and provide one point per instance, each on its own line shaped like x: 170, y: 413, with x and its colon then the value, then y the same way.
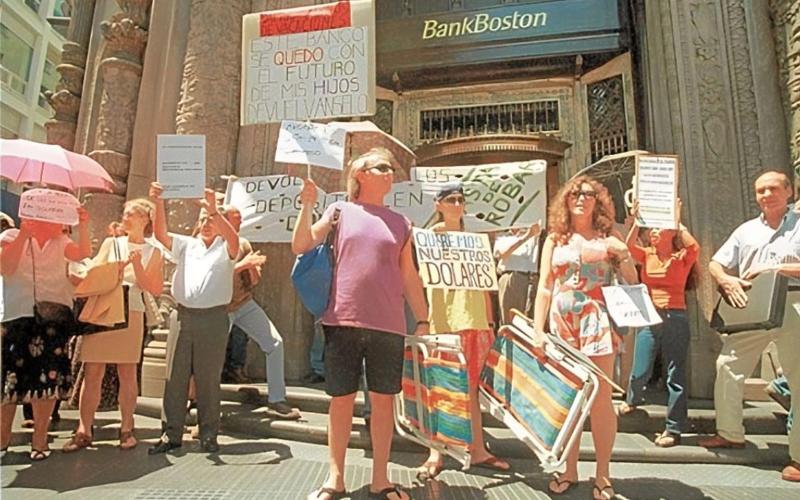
x: 508, y: 32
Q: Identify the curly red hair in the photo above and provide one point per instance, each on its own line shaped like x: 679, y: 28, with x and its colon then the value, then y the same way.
x: 560, y: 220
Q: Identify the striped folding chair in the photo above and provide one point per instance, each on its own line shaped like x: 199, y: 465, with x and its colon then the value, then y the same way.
x: 433, y: 407
x: 543, y: 394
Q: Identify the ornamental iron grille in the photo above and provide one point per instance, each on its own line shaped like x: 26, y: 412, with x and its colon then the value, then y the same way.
x: 608, y: 131
x: 384, y: 115
x: 533, y: 117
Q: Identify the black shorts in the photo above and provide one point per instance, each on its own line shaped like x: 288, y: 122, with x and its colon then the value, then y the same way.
x: 349, y: 349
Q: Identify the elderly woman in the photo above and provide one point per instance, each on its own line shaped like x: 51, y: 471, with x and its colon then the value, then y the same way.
x: 202, y: 287
x: 579, y: 257
x: 35, y: 363
x: 142, y: 273
x: 365, y: 323
x: 466, y: 313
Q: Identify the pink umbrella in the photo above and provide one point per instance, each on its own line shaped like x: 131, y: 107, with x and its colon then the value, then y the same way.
x: 25, y: 161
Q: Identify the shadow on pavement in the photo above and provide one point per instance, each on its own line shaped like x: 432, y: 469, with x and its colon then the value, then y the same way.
x: 251, y: 453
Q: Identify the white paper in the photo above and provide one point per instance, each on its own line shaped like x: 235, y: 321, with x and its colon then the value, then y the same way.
x: 656, y: 190
x: 630, y: 305
x: 181, y: 165
x: 311, y: 143
x: 455, y: 260
x: 49, y: 206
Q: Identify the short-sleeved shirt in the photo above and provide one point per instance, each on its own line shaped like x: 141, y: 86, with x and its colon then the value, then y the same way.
x: 52, y: 279
x: 456, y: 310
x: 367, y: 290
x: 203, y: 275
x: 754, y: 242
x: 524, y: 259
x: 666, y: 280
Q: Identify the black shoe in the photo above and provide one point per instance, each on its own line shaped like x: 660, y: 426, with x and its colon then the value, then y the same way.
x: 209, y: 445
x: 162, y: 447
x: 313, y: 378
x: 282, y: 410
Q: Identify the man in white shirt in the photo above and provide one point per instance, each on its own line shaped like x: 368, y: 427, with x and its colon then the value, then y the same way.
x: 517, y: 255
x: 771, y: 241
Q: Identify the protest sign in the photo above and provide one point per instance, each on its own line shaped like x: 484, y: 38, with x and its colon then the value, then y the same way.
x: 657, y: 191
x: 308, y: 62
x: 455, y: 260
x: 630, y: 305
x: 181, y: 165
x: 311, y: 143
x: 49, y: 206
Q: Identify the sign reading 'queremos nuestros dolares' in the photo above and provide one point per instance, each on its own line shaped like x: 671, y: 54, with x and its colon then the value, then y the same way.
x: 455, y: 260
x: 308, y: 63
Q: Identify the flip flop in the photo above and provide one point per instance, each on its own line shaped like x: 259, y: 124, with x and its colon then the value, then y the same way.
x: 429, y: 471
x: 494, y: 463
x: 557, y: 490
x: 384, y: 493
x: 599, y: 493
x: 39, y: 455
x: 332, y: 494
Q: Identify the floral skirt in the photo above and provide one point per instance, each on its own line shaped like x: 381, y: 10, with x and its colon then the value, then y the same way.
x: 35, y: 360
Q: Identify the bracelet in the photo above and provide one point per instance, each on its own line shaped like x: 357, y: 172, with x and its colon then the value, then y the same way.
x: 423, y: 322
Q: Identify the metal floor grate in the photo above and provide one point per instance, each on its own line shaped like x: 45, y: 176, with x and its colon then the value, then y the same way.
x: 176, y: 494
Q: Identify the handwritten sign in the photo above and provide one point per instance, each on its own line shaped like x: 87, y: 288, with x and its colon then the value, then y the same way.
x: 657, y: 191
x: 455, y: 260
x: 309, y: 62
x: 181, y: 165
x: 630, y: 305
x: 311, y: 143
x: 49, y: 206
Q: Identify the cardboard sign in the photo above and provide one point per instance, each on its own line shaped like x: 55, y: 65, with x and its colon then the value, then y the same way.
x: 308, y: 62
x: 630, y: 305
x: 49, y: 206
x: 311, y: 143
x: 181, y: 165
x: 455, y: 260
x: 657, y: 191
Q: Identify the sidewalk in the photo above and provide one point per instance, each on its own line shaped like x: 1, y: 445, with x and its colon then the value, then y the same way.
x: 274, y: 469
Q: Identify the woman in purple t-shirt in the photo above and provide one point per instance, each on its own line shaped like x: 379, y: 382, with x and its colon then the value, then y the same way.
x: 365, y: 323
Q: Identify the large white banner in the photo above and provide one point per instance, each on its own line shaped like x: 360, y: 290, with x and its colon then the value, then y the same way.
x: 499, y: 196
x: 308, y: 62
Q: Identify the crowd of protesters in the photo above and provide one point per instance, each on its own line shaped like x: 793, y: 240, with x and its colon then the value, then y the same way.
x: 556, y: 278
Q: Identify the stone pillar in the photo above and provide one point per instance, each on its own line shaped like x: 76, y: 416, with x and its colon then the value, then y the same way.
x: 699, y: 58
x: 209, y: 95
x: 66, y: 100
x: 119, y: 74
x: 786, y: 19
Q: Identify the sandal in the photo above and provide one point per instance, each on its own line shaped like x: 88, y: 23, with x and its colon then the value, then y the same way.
x: 559, y: 483
x: 599, y: 493
x: 332, y: 494
x: 384, y: 493
x: 667, y: 440
x: 77, y: 442
x: 127, y: 441
x: 493, y: 463
x: 39, y: 455
x: 626, y: 409
x: 429, y: 471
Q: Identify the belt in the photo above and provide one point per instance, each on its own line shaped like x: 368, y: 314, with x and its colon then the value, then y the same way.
x: 526, y: 273
x: 793, y: 288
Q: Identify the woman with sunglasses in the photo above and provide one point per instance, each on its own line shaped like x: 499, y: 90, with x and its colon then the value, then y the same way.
x: 579, y: 257
x: 365, y: 322
x: 466, y: 313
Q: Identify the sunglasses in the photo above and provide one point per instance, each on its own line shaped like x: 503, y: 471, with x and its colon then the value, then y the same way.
x: 383, y: 168
x: 586, y: 194
x: 452, y: 200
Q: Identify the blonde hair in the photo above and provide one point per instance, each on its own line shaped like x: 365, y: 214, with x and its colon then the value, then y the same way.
x: 144, y: 207
x: 364, y: 162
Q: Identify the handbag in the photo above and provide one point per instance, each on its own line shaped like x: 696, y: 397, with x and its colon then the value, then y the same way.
x: 312, y: 273
x: 101, y: 286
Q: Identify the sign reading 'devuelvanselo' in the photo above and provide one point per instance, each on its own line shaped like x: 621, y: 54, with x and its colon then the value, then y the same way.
x: 308, y: 63
x: 455, y: 260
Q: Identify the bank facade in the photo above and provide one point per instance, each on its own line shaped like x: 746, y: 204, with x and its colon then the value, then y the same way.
x: 716, y: 82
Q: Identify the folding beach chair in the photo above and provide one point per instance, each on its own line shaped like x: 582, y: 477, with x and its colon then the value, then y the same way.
x: 542, y: 393
x: 433, y: 407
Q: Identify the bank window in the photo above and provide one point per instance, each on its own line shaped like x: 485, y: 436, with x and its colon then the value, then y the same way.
x: 608, y: 130
x: 10, y: 123
x: 33, y: 4
x: 15, y: 60
x: 534, y: 117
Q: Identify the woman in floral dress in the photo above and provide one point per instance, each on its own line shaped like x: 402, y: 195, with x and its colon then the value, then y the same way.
x: 579, y: 257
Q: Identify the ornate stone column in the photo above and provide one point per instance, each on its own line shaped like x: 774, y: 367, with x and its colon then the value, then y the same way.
x: 119, y: 75
x: 66, y: 100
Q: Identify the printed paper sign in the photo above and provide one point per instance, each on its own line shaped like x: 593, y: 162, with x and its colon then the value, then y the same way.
x: 455, y: 260
x: 309, y: 62
x: 49, y: 206
x: 630, y: 305
x: 657, y: 191
x: 311, y: 143
x: 181, y: 165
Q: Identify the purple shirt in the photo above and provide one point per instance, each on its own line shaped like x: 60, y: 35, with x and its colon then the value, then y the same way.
x: 367, y: 290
